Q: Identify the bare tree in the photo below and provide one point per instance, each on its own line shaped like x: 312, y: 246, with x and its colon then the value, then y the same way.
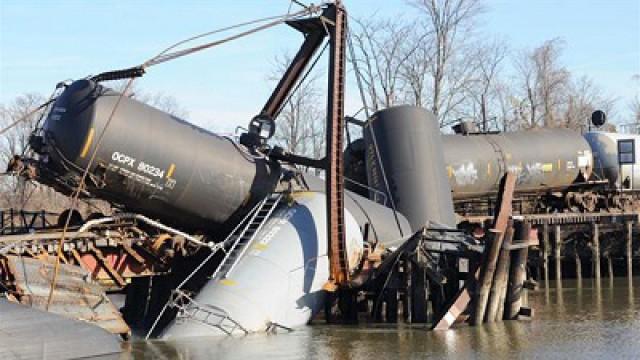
x: 300, y: 126
x: 15, y: 191
x: 634, y: 106
x: 543, y: 81
x: 483, y: 90
x: 158, y: 100
x: 583, y: 97
x: 417, y: 66
x: 381, y: 49
x: 448, y: 24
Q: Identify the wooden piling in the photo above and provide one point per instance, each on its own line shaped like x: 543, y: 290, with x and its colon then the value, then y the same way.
x: 578, y: 267
x: 629, y: 251
x: 492, y: 249
x: 500, y: 278
x: 558, y: 254
x: 391, y: 310
x: 418, y: 294
x: 546, y: 251
x: 517, y: 272
x: 596, y: 251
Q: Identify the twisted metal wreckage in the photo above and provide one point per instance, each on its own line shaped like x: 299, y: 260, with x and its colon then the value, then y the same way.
x: 211, y: 236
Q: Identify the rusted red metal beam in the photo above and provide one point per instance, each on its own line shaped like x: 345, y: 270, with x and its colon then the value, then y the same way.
x: 338, y: 262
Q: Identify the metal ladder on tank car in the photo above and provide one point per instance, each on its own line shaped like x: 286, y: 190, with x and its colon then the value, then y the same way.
x: 244, y: 236
x: 208, y: 315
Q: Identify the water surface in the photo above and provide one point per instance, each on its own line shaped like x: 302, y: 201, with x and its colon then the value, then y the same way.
x: 575, y: 321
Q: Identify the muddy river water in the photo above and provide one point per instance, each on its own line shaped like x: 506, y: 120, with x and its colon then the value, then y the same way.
x: 574, y: 321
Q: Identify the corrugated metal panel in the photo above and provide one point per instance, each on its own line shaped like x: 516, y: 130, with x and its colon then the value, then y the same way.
x: 75, y: 296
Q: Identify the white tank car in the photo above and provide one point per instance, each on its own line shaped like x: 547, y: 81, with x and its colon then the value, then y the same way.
x: 279, y: 280
x: 605, y: 147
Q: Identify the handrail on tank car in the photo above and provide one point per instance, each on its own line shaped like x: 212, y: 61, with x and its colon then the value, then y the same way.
x: 375, y: 191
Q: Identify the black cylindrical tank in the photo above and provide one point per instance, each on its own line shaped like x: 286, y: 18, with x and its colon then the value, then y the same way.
x: 542, y: 159
x: 152, y: 162
x: 409, y: 147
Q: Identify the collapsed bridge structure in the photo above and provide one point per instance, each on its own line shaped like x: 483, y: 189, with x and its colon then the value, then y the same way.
x: 213, y: 236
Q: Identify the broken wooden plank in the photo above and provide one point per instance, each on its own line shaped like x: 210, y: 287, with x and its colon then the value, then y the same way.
x: 503, y: 211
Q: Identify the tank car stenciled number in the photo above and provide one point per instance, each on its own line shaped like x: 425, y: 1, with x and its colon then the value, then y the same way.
x: 150, y: 170
x: 123, y: 159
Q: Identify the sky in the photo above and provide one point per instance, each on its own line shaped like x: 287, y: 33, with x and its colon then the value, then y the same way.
x: 44, y: 42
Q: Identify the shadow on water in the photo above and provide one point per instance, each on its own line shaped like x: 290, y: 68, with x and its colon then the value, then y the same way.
x: 576, y: 320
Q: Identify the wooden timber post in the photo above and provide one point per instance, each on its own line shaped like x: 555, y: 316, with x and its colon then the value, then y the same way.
x: 518, y: 271
x: 492, y: 249
x: 578, y: 267
x: 418, y: 293
x: 545, y: 254
x: 558, y: 254
x: 596, y: 251
x: 629, y: 249
x: 500, y: 278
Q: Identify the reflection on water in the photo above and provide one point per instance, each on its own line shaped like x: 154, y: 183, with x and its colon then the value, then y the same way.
x: 579, y: 320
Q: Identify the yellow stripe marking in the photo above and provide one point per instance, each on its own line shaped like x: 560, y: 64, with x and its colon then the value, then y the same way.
x: 489, y: 168
x: 260, y: 246
x: 303, y: 194
x: 172, y: 168
x: 87, y: 144
x: 227, y: 282
x: 450, y: 171
x: 559, y: 165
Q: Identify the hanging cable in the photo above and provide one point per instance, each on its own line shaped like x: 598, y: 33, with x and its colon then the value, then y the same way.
x: 25, y: 117
x: 165, y: 55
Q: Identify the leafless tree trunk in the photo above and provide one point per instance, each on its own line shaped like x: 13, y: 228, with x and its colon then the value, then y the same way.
x: 482, y: 89
x: 449, y: 22
x: 543, y: 81
x: 381, y: 50
x: 300, y: 126
x: 583, y: 97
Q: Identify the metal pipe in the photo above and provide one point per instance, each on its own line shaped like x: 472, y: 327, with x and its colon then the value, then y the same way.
x: 91, y: 223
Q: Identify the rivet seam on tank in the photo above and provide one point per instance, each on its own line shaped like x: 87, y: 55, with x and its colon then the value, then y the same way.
x: 87, y: 143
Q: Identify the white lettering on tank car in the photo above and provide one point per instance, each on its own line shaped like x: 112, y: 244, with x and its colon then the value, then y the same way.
x: 150, y: 169
x: 123, y: 158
